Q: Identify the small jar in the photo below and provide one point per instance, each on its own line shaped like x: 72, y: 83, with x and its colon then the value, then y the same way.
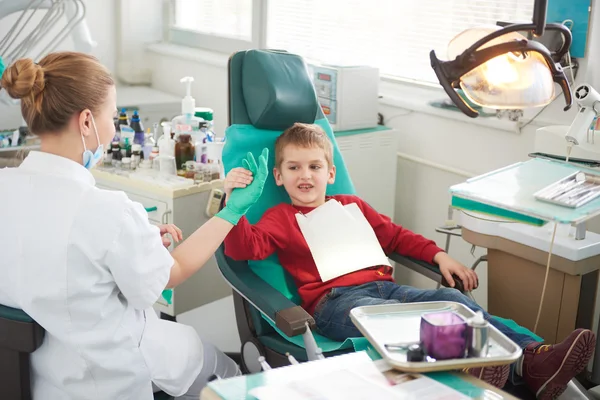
x: 199, y: 173
x: 154, y: 153
x: 190, y: 169
x: 215, y: 172
x: 126, y: 163
x: 108, y: 157
x: 207, y: 173
x: 136, y: 155
x: 116, y: 152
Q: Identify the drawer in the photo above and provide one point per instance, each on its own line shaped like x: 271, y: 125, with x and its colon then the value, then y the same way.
x: 157, y: 210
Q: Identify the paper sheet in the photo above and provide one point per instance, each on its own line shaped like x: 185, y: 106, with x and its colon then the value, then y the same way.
x: 348, y: 385
x: 340, y: 239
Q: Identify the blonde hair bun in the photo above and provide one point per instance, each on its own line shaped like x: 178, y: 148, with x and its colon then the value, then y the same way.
x: 23, y: 79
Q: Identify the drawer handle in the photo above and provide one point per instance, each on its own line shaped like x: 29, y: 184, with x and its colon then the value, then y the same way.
x: 150, y: 209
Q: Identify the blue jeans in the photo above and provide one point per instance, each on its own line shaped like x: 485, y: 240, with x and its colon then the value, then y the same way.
x: 332, y: 313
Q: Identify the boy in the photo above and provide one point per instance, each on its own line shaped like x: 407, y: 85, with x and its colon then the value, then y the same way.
x: 304, y: 167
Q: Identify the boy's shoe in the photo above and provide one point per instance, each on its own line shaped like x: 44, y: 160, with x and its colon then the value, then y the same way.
x: 547, y: 369
x: 496, y: 375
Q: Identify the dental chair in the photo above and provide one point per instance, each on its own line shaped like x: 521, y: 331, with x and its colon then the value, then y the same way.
x: 20, y: 336
x: 268, y: 92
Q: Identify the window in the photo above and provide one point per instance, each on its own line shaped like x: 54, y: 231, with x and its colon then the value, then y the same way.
x: 394, y: 35
x: 221, y: 25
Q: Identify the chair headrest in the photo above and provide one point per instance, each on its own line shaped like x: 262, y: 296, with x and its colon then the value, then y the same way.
x: 277, y: 90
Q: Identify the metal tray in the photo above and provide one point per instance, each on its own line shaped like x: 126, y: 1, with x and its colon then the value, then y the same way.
x: 400, y: 323
x: 569, y: 192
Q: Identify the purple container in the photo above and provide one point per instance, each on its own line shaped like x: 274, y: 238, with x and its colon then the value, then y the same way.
x: 444, y: 335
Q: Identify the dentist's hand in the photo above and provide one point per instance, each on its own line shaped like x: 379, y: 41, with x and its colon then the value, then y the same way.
x: 241, y: 199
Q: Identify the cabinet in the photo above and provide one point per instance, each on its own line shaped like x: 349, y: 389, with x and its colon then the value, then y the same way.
x: 186, y: 208
x: 371, y: 159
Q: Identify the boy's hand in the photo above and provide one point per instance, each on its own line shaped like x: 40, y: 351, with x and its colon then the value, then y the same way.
x: 449, y: 266
x: 172, y: 230
x: 236, y: 178
x: 242, y: 199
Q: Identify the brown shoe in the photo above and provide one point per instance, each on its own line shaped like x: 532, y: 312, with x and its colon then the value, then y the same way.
x: 496, y: 375
x: 547, y: 369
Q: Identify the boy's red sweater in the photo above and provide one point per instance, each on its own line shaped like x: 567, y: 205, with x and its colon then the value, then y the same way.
x: 278, y: 232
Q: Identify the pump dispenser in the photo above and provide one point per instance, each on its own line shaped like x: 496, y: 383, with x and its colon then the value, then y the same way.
x: 188, y: 104
x: 187, y: 123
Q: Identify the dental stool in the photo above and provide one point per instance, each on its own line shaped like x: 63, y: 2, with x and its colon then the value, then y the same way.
x: 268, y: 92
x: 20, y: 336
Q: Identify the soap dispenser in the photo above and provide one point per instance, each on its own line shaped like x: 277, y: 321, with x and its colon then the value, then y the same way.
x: 187, y: 122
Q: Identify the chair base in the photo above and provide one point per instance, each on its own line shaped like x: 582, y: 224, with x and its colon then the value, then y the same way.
x: 14, y: 375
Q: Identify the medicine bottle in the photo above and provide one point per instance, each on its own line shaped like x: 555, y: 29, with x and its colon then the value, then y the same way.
x: 184, y: 150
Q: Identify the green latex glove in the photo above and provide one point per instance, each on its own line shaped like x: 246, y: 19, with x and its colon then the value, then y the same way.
x: 167, y: 294
x: 2, y: 67
x: 242, y: 199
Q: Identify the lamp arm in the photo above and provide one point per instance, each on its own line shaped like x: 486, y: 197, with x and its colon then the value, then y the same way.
x: 566, y: 33
x: 540, y: 8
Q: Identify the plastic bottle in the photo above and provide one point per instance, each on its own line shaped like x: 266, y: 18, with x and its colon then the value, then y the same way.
x: 187, y: 122
x: 148, y: 144
x: 137, y: 127
x: 206, y: 114
x: 200, y: 143
x: 166, y: 145
x: 126, y: 148
x: 123, y: 120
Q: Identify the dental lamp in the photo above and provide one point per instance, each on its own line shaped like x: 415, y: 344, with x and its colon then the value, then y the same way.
x: 500, y: 68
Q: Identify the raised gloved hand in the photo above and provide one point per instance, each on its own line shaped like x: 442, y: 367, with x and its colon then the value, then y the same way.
x: 242, y: 199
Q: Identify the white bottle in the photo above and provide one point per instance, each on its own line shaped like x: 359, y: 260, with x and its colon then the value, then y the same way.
x: 186, y: 122
x: 166, y: 145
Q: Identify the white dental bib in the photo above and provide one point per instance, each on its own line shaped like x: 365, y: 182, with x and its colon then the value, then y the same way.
x: 340, y: 239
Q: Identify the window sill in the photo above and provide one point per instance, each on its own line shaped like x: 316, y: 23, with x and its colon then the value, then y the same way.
x: 213, y: 58
x: 405, y: 95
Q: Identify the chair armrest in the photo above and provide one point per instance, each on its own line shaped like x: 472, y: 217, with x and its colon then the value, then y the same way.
x: 18, y: 331
x: 432, y: 271
x: 287, y: 316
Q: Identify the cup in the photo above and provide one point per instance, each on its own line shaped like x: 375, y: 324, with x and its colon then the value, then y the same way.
x: 443, y: 335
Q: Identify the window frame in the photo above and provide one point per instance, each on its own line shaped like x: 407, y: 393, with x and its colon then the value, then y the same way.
x: 217, y: 43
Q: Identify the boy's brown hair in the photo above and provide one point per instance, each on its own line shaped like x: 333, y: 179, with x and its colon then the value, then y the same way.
x: 305, y: 136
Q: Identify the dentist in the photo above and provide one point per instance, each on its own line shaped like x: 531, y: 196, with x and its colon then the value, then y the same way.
x: 85, y: 263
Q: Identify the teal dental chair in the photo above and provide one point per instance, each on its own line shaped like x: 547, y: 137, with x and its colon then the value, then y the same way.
x: 20, y: 336
x: 268, y: 92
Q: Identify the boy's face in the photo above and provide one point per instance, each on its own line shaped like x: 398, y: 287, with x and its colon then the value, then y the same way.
x: 305, y: 174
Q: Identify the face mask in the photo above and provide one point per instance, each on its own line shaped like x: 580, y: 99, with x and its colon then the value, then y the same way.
x: 90, y: 159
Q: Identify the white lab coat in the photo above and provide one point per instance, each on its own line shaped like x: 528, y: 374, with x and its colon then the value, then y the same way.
x: 87, y: 265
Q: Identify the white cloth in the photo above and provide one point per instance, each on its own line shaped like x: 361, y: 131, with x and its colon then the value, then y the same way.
x: 340, y: 239
x: 87, y: 265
